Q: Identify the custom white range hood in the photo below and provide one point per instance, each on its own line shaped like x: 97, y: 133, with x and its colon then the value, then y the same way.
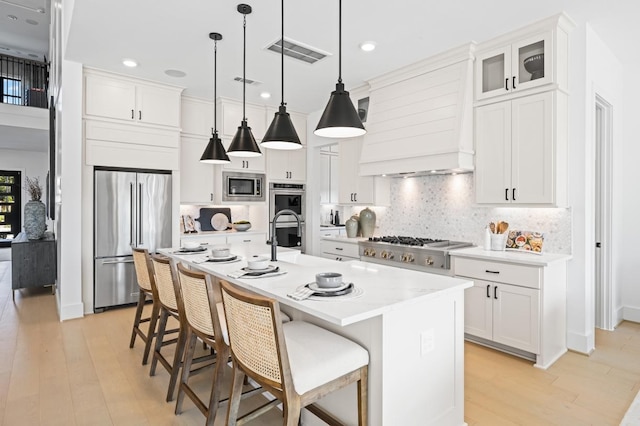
x: 420, y: 118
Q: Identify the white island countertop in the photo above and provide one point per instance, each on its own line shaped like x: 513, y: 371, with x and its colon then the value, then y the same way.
x: 385, y: 288
x: 509, y: 256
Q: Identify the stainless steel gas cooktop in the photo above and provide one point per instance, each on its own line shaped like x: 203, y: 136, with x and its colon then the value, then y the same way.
x: 419, y: 253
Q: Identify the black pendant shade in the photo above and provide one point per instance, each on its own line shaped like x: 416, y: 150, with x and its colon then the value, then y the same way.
x: 281, y: 134
x: 340, y: 119
x: 243, y: 143
x: 214, y: 152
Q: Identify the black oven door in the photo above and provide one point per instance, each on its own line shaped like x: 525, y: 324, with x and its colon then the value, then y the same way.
x: 283, y: 200
x: 287, y: 236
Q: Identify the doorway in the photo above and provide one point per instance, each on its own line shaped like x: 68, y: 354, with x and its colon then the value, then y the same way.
x: 602, y: 215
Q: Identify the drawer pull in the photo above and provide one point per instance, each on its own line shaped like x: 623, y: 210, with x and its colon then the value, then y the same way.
x: 491, y: 272
x: 246, y: 241
x: 488, y: 294
x: 339, y: 248
x: 495, y: 292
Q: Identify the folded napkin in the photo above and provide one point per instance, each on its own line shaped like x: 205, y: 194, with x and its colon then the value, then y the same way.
x: 256, y: 274
x: 301, y: 293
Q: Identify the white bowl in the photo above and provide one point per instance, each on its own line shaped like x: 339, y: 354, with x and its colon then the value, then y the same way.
x: 329, y: 279
x: 220, y: 251
x: 259, y: 262
x: 240, y: 227
x: 191, y: 245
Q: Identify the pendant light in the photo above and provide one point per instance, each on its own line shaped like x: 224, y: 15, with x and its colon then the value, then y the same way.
x: 281, y: 133
x: 243, y: 143
x: 340, y: 119
x: 214, y: 153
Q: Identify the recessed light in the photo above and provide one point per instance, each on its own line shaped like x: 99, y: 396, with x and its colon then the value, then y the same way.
x: 31, y: 22
x: 368, y: 46
x: 129, y: 63
x: 265, y: 95
x: 175, y: 73
x: 434, y: 171
x: 12, y: 17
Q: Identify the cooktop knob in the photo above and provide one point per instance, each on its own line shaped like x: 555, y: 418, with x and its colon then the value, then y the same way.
x: 408, y: 257
x: 429, y: 261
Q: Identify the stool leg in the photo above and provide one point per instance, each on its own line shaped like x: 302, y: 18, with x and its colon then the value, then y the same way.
x: 363, y: 397
x: 177, y: 361
x: 155, y: 311
x: 214, y: 399
x: 234, y: 398
x: 136, y: 320
x: 192, y: 340
x: 162, y: 326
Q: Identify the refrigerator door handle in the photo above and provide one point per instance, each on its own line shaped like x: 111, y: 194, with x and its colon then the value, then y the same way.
x: 131, y: 201
x: 111, y: 262
x: 140, y: 215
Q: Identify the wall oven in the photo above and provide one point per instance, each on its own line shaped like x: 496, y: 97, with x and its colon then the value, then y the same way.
x: 242, y: 187
x: 288, y: 196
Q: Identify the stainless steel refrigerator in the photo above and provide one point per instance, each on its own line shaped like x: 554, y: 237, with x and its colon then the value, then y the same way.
x: 131, y: 208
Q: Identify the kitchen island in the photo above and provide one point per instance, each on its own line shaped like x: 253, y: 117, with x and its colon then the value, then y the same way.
x: 410, y: 322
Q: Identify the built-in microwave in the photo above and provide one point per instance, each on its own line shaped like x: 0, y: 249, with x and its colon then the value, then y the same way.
x: 241, y: 187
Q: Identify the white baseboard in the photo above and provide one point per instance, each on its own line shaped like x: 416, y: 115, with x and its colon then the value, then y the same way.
x: 631, y: 314
x: 68, y: 312
x: 582, y: 343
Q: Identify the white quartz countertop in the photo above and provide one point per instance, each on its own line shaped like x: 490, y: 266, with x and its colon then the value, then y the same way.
x: 523, y: 258
x: 385, y: 288
x: 227, y: 232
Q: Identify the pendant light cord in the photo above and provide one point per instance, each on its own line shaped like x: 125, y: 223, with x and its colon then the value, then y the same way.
x: 215, y: 78
x: 282, y: 53
x: 244, y: 68
x: 340, y: 41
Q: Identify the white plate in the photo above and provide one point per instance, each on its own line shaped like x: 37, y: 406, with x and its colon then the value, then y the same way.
x: 192, y: 250
x: 222, y: 258
x: 220, y: 221
x: 315, y: 287
x: 268, y: 268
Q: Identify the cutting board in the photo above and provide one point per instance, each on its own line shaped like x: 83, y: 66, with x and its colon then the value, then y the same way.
x: 206, y: 213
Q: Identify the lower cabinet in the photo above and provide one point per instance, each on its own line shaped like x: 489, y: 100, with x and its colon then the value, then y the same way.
x: 226, y: 238
x: 33, y: 263
x: 517, y: 308
x: 247, y: 238
x: 503, y: 313
x: 343, y: 251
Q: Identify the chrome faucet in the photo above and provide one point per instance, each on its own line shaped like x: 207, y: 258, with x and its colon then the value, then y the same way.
x: 274, y: 241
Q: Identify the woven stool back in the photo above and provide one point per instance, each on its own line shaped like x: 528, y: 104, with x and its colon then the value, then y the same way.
x: 252, y: 335
x: 197, y: 305
x: 140, y: 261
x: 164, y: 282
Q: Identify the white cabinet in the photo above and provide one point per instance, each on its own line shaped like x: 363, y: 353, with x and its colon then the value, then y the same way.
x: 204, y: 239
x: 329, y: 175
x: 354, y: 189
x: 521, y: 151
x: 244, y: 164
x: 196, y: 117
x: 226, y: 238
x: 196, y: 178
x: 288, y: 165
x: 515, y: 307
x: 332, y: 232
x: 343, y: 251
x: 531, y: 57
x: 243, y: 238
x: 230, y: 117
x: 115, y: 97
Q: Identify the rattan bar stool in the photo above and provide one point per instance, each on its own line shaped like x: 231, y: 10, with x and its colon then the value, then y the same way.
x: 297, y: 362
x: 147, y: 286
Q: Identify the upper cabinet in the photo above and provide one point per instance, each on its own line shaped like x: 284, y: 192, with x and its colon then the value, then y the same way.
x: 196, y: 117
x: 521, y: 151
x: 288, y: 165
x: 354, y: 189
x: 329, y: 158
x: 525, y: 59
x: 129, y: 100
x: 196, y: 178
x: 230, y: 116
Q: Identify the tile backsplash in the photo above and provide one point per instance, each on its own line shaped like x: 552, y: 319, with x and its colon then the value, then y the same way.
x: 443, y: 207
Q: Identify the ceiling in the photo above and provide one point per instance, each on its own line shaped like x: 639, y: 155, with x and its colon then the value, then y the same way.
x: 170, y: 35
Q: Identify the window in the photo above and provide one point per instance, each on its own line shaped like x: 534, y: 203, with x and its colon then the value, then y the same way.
x: 10, y: 206
x: 11, y: 91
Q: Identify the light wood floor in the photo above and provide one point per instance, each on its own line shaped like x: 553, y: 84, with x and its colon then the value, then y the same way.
x: 83, y: 372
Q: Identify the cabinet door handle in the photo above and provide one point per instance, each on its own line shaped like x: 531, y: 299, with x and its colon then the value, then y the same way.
x: 495, y: 292
x: 491, y: 272
x: 513, y: 194
x: 488, y: 287
x: 339, y: 248
x: 139, y: 114
x: 211, y: 196
x: 506, y: 194
x: 506, y: 83
x: 514, y: 82
x: 132, y: 116
x: 246, y: 241
x: 355, y: 197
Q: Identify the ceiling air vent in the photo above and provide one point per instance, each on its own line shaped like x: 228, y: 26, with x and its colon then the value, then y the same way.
x: 246, y: 80
x: 297, y: 50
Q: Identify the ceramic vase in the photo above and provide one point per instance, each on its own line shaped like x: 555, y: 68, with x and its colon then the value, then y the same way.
x: 351, y: 226
x: 34, y: 219
x: 367, y: 222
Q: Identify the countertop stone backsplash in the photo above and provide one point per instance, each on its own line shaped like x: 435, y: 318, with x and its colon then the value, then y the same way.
x: 443, y: 207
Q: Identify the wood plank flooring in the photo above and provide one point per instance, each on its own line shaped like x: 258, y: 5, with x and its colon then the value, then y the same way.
x: 82, y: 372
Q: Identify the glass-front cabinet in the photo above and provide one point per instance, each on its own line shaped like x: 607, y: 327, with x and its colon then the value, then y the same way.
x: 518, y: 66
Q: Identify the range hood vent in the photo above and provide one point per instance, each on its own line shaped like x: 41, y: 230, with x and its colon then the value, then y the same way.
x: 420, y: 118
